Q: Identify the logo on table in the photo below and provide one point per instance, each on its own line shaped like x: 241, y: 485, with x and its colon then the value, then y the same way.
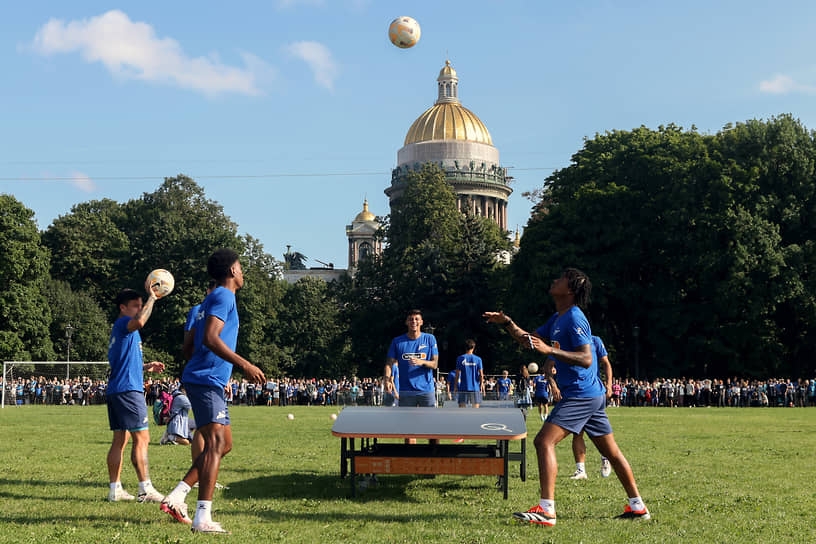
x: 495, y: 427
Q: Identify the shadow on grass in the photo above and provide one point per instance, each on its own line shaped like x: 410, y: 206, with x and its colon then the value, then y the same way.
x: 320, y: 486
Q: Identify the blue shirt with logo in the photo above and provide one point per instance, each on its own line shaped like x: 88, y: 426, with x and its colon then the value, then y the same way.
x: 205, y: 367
x: 414, y: 378
x: 470, y: 372
x: 504, y: 385
x: 569, y: 332
x: 125, y: 358
x: 542, y: 386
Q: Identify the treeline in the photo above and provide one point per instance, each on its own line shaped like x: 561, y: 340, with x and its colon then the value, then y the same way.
x: 700, y: 248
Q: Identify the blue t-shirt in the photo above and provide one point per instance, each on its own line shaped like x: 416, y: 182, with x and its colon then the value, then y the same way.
x: 125, y: 358
x: 413, y: 378
x: 451, y: 379
x: 600, y: 351
x: 205, y: 367
x: 504, y: 385
x: 568, y: 332
x: 542, y: 386
x: 192, y: 316
x: 470, y: 372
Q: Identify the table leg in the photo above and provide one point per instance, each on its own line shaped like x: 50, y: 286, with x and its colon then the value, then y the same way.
x: 523, y: 460
x: 343, y: 458
x: 505, y: 448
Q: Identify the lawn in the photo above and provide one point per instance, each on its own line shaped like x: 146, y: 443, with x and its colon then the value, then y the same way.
x: 707, y: 475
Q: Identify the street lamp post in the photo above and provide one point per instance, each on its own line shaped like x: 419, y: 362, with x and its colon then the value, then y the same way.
x: 636, y: 335
x: 69, y: 330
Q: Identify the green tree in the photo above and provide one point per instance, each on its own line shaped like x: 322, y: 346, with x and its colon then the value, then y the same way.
x: 684, y: 236
x: 24, y: 311
x: 91, y: 329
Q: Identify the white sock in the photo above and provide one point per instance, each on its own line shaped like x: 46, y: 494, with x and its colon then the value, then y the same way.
x: 179, y: 494
x: 548, y: 505
x: 580, y: 467
x: 203, y: 512
x: 115, y: 485
x: 145, y: 486
x: 637, y: 504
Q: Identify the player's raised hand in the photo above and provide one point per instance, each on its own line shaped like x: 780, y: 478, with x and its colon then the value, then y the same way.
x: 155, y: 366
x: 496, y: 317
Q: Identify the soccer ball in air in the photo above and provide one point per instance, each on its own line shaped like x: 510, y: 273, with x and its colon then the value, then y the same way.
x: 532, y: 368
x: 162, y: 279
x: 404, y: 32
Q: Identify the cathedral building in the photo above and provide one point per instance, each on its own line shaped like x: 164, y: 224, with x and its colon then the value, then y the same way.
x: 452, y: 136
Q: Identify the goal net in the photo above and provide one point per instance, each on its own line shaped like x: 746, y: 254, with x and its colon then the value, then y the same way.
x: 54, y: 382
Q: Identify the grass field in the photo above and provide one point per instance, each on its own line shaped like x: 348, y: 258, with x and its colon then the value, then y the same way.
x: 707, y: 475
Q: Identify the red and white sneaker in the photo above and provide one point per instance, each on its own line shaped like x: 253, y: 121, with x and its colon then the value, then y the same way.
x: 177, y: 510
x: 536, y: 514
x: 628, y: 513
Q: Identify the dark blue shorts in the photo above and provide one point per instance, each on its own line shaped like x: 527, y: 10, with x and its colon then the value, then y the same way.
x: 541, y: 400
x: 472, y: 397
x: 576, y: 415
x: 127, y: 411
x: 417, y: 398
x: 208, y: 403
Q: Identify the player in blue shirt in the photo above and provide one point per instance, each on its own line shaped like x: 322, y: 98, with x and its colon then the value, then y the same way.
x: 541, y: 397
x: 204, y: 379
x: 127, y: 411
x: 578, y: 444
x: 450, y: 382
x: 417, y: 355
x: 504, y: 386
x: 566, y: 339
x: 469, y: 381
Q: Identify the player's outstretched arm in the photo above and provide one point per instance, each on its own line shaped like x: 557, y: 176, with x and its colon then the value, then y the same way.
x: 519, y: 335
x: 212, y: 339
x: 141, y: 318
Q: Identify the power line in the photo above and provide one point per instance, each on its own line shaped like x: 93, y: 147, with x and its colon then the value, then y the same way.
x: 231, y: 176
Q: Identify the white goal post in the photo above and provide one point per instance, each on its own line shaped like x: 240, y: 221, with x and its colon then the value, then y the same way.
x: 13, y: 370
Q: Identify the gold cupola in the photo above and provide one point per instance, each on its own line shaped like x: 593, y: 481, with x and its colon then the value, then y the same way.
x: 365, y: 215
x: 448, y: 119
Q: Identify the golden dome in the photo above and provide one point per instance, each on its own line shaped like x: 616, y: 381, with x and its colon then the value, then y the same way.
x: 447, y: 71
x: 365, y: 215
x: 448, y: 121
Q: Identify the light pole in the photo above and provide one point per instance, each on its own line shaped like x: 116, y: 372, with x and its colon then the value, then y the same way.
x: 635, y: 335
x: 69, y: 330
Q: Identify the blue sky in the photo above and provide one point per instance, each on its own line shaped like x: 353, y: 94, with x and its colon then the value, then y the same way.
x: 250, y: 98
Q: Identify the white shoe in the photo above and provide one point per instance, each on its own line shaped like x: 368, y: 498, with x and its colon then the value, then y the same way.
x: 542, y: 417
x: 606, y: 467
x: 119, y: 495
x: 210, y: 527
x: 579, y: 475
x: 151, y: 495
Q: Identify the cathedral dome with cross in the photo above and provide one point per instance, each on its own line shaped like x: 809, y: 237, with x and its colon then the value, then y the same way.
x: 453, y: 137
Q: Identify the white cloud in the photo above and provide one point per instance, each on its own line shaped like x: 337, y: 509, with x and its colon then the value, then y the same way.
x: 133, y: 50
x: 82, y: 182
x: 319, y: 59
x: 782, y: 84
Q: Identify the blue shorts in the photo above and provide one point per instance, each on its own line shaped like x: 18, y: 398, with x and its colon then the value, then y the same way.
x: 541, y: 400
x: 389, y: 399
x: 576, y: 415
x: 208, y: 403
x: 127, y: 411
x: 472, y: 397
x: 417, y: 398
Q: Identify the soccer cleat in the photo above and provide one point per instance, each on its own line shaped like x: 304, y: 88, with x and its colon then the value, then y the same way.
x: 119, y: 495
x: 209, y: 527
x: 628, y: 513
x: 177, y: 510
x: 536, y: 514
x: 151, y: 495
x: 606, y: 467
x: 579, y: 475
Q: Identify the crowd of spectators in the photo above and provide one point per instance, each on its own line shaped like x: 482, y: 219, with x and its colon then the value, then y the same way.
x: 674, y: 392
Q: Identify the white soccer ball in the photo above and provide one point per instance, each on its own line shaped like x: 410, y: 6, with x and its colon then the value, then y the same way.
x: 162, y: 279
x: 290, y: 416
x: 404, y: 32
x: 532, y: 368
x: 333, y: 416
